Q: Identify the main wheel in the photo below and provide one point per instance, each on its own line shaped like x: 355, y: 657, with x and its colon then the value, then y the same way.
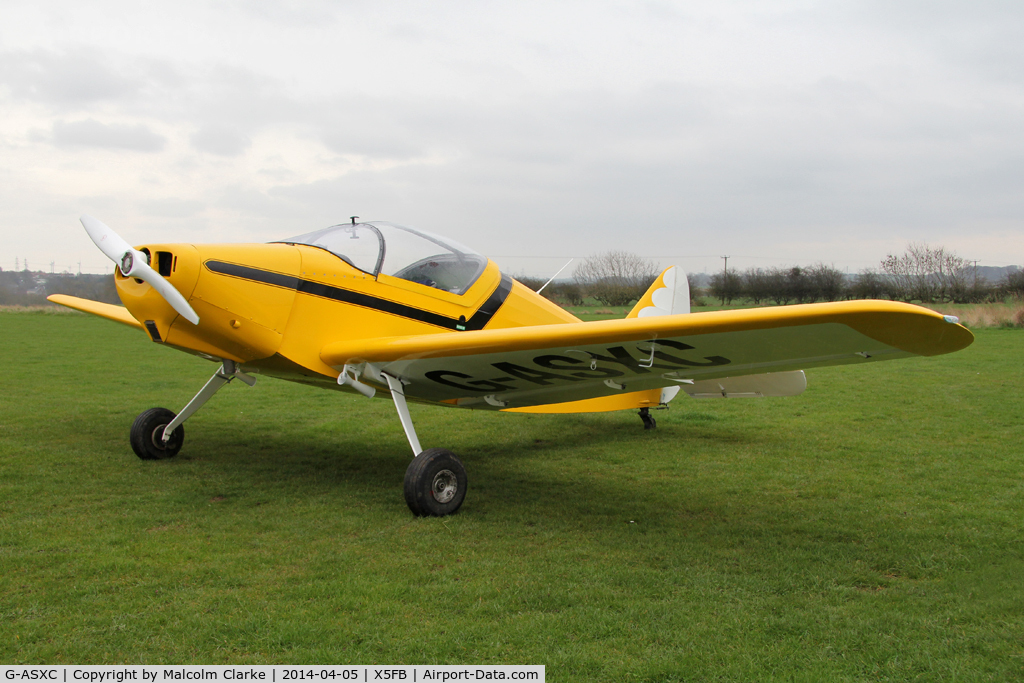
x: 147, y: 435
x: 435, y: 483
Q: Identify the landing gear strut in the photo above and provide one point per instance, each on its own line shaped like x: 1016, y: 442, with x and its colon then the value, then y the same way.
x: 435, y: 482
x: 158, y: 433
x: 645, y: 415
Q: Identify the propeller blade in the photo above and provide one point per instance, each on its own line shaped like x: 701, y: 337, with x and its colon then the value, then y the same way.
x: 143, y: 271
x: 109, y: 242
x: 134, y: 263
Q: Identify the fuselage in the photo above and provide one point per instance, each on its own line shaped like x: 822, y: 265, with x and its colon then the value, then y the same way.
x: 273, y: 307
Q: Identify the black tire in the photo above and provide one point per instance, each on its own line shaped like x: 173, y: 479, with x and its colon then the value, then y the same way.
x: 147, y: 432
x: 435, y: 483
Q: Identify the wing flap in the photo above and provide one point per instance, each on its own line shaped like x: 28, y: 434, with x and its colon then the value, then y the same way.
x: 750, y: 386
x: 118, y: 314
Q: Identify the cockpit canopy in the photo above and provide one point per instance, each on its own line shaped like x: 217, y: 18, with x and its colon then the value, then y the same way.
x: 414, y: 255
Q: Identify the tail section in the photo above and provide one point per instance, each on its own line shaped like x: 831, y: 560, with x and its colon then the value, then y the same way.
x: 669, y: 295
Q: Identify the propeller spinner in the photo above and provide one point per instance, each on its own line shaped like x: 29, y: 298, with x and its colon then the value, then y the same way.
x: 134, y: 263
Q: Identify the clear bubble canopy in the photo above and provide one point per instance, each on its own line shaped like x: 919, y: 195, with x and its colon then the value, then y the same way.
x: 406, y: 253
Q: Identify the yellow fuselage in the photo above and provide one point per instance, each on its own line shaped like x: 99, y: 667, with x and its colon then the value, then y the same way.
x: 273, y: 307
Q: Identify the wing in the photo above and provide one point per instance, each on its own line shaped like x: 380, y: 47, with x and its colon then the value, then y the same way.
x: 529, y: 366
x: 109, y: 311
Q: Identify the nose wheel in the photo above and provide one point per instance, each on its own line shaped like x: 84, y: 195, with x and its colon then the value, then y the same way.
x: 435, y: 483
x: 147, y: 433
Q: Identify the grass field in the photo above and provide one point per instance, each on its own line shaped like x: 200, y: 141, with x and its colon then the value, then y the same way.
x: 869, y: 529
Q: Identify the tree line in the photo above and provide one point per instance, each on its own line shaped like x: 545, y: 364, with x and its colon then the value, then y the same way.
x: 921, y: 274
x: 30, y: 288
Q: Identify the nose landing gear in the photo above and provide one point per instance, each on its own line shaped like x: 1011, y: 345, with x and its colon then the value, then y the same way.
x: 147, y: 433
x: 158, y: 433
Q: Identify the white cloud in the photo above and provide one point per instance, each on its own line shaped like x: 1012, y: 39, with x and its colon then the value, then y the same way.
x: 793, y: 131
x: 79, y: 77
x: 222, y: 140
x: 92, y: 133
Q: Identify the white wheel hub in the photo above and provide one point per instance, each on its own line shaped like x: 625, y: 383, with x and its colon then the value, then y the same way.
x: 445, y: 486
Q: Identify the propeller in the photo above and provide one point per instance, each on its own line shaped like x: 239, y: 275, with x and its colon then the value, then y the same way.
x: 133, y: 263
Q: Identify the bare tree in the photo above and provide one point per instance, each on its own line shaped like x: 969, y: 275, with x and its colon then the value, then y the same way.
x: 727, y: 285
x: 800, y: 285
x: 615, y: 278
x: 779, y: 291
x: 569, y: 292
x: 1013, y: 284
x: 756, y: 285
x: 909, y: 273
x: 870, y: 284
x: 828, y: 282
x: 928, y: 274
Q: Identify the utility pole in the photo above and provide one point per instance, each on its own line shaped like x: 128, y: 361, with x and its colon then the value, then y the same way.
x: 51, y: 267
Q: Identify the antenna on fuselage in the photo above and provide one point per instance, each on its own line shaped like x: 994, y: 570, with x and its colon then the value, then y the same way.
x: 555, y: 275
x: 353, y: 219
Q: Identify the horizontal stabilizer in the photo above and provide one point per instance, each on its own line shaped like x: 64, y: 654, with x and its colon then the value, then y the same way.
x: 603, y: 404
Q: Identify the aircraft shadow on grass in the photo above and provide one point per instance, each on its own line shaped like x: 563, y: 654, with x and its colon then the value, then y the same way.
x: 515, y: 474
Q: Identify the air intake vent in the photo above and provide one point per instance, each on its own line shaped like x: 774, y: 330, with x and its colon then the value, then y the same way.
x: 164, y: 263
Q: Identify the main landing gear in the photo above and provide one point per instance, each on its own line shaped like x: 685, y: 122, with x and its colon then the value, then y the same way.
x: 158, y: 433
x: 435, y: 482
x: 645, y: 415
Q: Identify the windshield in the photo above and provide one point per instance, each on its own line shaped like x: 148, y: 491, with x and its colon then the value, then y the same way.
x: 406, y: 253
x: 359, y: 245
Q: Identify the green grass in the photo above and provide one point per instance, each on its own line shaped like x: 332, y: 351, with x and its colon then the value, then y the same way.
x: 869, y: 529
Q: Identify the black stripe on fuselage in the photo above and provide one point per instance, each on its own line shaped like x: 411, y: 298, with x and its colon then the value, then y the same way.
x: 477, y: 321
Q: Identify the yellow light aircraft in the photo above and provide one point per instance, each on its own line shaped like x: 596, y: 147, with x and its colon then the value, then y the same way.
x: 385, y: 310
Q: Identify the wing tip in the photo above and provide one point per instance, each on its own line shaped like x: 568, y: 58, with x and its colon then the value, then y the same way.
x: 118, y: 314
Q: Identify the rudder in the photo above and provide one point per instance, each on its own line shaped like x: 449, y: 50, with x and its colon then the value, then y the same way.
x: 668, y: 295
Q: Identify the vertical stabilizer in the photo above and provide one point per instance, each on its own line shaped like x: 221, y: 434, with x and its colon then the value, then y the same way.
x: 669, y: 295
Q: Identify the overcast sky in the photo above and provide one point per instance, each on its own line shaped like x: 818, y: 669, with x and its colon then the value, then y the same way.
x: 778, y: 133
